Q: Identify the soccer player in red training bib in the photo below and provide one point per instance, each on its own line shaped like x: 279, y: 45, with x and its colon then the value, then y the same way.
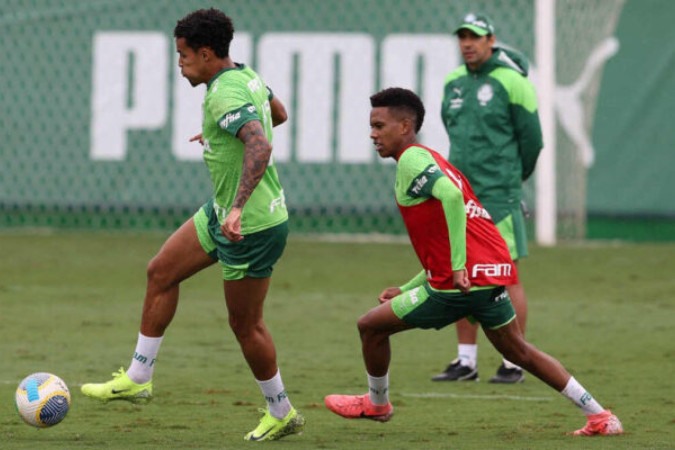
x: 466, y: 265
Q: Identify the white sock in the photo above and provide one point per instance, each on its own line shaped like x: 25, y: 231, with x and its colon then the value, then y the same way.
x: 580, y: 396
x: 143, y: 363
x: 509, y: 365
x: 275, y: 395
x: 467, y: 354
x: 378, y: 388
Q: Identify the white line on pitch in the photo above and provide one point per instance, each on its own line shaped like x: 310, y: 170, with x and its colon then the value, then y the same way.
x: 478, y: 397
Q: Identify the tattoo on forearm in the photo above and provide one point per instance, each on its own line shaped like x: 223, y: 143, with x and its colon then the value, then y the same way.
x: 257, y: 151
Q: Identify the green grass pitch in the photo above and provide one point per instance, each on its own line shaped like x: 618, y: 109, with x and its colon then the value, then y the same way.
x: 70, y: 304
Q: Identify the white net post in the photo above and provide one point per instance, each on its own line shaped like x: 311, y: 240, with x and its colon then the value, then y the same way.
x: 545, y: 222
x: 573, y: 41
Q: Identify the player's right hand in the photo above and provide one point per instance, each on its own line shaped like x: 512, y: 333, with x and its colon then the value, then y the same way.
x: 231, y: 228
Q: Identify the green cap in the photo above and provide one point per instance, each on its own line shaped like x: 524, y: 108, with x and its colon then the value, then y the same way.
x: 479, y: 24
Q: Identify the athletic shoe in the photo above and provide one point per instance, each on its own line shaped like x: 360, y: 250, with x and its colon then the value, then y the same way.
x: 508, y: 376
x: 119, y: 388
x: 358, y: 407
x: 457, y: 372
x: 271, y: 428
x: 604, y: 424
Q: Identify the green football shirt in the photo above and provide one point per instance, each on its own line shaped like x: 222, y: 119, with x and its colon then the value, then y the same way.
x: 234, y: 97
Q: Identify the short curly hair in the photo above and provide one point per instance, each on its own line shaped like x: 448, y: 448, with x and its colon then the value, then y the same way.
x: 206, y: 28
x: 401, y: 99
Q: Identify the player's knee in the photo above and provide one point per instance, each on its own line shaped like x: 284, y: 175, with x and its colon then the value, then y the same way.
x: 157, y: 273
x: 364, y: 325
x: 245, y: 329
x: 370, y: 329
x: 519, y: 353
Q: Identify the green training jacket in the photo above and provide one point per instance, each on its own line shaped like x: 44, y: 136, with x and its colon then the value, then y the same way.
x: 491, y: 118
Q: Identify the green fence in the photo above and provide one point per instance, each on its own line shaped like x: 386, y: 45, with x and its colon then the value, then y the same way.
x: 95, y: 118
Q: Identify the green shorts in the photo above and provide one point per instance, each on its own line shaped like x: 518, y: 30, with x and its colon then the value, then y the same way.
x: 511, y: 225
x: 253, y: 257
x: 423, y: 307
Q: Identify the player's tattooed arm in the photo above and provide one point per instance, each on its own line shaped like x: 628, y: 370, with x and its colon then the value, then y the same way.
x: 257, y: 151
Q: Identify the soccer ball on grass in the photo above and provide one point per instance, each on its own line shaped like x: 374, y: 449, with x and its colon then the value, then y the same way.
x: 42, y: 399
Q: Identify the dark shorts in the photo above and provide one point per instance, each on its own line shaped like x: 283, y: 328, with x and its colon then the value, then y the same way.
x: 423, y: 307
x: 253, y: 257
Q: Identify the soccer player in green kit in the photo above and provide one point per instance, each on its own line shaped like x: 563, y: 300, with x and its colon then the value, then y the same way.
x: 465, y: 268
x: 243, y: 226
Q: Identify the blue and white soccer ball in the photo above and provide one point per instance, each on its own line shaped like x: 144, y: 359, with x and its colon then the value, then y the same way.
x: 42, y: 399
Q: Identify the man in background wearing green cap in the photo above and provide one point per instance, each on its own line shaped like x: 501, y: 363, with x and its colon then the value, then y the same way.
x: 489, y: 110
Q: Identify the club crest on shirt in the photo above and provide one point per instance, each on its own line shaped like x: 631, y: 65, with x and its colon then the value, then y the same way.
x: 485, y: 94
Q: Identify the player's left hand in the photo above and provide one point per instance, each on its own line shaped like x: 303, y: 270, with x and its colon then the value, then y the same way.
x: 460, y: 278
x: 231, y: 228
x: 197, y: 137
x: 388, y: 294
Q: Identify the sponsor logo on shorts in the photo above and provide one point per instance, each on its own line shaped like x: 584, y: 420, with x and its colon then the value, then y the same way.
x: 503, y: 296
x: 413, y: 296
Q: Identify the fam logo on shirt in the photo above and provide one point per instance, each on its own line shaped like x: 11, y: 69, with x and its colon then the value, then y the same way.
x: 491, y: 270
x: 485, y: 94
x: 279, y: 202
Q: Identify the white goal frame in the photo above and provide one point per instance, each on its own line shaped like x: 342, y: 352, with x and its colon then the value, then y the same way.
x: 545, y: 175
